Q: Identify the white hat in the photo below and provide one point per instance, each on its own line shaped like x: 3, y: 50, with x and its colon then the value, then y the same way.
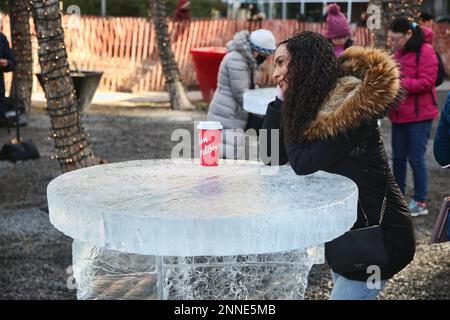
x: 262, y: 40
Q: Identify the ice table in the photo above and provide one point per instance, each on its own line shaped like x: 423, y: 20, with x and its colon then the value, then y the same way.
x: 156, y: 229
x: 256, y: 101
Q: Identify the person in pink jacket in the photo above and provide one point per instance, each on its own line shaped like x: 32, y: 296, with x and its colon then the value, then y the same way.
x: 338, y: 29
x: 412, y: 117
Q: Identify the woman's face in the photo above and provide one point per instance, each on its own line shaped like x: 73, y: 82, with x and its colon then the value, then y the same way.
x: 397, y: 40
x: 281, y: 62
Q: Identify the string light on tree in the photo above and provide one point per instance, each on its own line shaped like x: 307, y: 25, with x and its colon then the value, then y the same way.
x: 177, y: 92
x: 408, y: 8
x: 21, y: 88
x: 73, y: 150
x: 390, y: 11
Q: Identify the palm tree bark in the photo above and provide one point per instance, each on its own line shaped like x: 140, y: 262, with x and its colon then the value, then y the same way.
x: 390, y: 10
x: 409, y: 9
x: 178, y: 96
x: 73, y: 151
x: 379, y: 34
x: 22, y: 82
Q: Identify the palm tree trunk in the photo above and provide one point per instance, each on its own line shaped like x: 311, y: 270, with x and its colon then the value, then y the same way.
x: 22, y: 82
x: 379, y: 34
x: 408, y: 8
x: 73, y: 151
x: 390, y: 10
x: 177, y: 92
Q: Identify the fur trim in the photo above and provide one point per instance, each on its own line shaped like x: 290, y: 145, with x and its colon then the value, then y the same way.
x: 369, y: 83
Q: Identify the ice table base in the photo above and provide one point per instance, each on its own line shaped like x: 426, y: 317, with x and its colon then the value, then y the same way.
x: 108, y: 274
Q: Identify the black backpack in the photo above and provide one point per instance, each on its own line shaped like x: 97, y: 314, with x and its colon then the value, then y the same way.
x: 441, y: 75
x: 441, y: 71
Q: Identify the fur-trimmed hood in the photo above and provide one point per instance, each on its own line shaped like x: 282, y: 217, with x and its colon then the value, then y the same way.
x: 369, y: 83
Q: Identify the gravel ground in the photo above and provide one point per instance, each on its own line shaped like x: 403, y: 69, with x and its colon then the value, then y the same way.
x: 34, y: 256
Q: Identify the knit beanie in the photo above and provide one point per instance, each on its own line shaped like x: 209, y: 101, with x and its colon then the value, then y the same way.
x: 337, y: 24
x: 263, y: 41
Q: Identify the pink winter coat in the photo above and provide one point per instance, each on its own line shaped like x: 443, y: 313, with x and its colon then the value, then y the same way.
x: 418, y: 83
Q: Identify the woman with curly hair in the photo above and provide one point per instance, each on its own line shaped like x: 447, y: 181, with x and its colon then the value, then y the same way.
x: 327, y: 112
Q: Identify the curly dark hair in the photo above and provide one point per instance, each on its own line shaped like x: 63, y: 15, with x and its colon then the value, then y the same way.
x: 313, y: 71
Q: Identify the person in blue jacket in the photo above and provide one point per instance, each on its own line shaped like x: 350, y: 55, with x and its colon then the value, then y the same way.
x: 7, y: 64
x: 441, y: 147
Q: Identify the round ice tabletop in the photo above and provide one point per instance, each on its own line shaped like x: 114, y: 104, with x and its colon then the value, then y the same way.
x: 256, y: 101
x: 158, y: 207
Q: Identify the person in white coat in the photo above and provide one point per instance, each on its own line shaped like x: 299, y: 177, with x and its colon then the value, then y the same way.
x: 246, y: 52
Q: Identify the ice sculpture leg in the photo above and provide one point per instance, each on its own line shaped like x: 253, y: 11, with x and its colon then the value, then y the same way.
x: 260, y: 276
x: 108, y: 274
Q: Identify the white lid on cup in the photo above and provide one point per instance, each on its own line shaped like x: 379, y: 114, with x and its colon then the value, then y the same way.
x: 209, y: 125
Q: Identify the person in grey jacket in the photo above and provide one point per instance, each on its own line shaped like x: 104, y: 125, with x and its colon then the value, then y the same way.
x: 246, y: 52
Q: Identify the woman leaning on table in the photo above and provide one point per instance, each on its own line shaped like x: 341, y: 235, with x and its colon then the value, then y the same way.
x: 327, y: 114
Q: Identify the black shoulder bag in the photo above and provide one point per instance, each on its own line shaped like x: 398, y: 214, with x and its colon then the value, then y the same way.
x: 440, y: 76
x: 358, y: 249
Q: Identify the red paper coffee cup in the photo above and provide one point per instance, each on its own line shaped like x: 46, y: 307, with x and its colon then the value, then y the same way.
x: 209, y: 136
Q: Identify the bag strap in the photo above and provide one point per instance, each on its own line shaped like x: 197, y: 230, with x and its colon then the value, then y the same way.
x: 383, y: 204
x: 416, y: 102
x: 252, y: 79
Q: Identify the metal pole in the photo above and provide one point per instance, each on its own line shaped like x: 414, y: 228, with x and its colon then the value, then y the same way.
x: 103, y: 8
x: 324, y: 8
x: 283, y: 10
x: 302, y: 7
x: 261, y: 5
x: 439, y: 7
x: 349, y: 11
x: 270, y: 9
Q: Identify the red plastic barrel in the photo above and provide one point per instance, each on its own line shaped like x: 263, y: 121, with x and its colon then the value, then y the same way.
x: 207, y: 61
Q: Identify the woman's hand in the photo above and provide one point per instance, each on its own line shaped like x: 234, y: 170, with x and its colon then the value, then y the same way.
x: 280, y: 93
